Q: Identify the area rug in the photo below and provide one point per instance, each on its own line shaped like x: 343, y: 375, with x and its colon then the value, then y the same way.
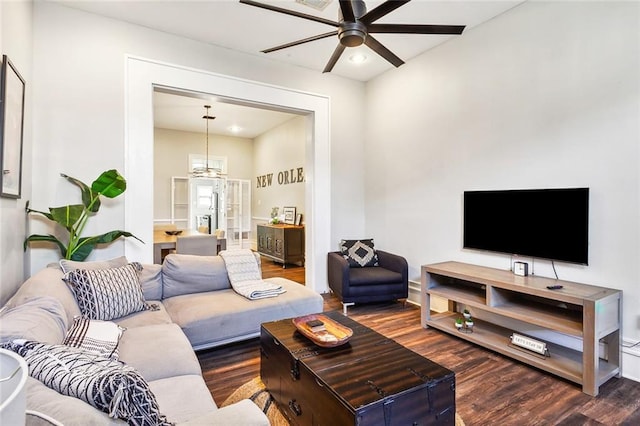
x: 256, y: 392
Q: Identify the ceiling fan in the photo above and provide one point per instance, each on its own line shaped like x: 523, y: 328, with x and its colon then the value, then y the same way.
x: 355, y: 26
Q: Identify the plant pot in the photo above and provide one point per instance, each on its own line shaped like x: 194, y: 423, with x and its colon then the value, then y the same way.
x: 466, y: 315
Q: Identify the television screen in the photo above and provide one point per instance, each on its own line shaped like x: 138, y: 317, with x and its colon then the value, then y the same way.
x: 543, y: 223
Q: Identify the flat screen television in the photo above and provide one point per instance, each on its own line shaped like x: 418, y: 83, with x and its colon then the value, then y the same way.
x: 541, y: 223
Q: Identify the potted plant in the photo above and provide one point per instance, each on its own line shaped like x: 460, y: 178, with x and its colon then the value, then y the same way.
x: 274, y: 215
x: 466, y: 314
x: 73, y: 218
x: 459, y: 323
x: 469, y: 323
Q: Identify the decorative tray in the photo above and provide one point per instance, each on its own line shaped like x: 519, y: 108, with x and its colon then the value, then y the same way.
x: 322, y: 330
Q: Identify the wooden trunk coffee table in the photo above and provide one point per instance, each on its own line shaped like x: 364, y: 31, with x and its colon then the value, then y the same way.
x: 370, y: 380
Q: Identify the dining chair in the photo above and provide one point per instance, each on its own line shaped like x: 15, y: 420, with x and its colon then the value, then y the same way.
x: 202, y: 245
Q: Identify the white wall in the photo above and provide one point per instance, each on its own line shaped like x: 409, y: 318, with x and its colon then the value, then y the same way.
x: 16, y: 42
x: 171, y: 158
x: 86, y: 86
x: 546, y: 95
x: 277, y: 151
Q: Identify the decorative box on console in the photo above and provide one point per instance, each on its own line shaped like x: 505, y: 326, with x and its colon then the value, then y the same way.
x: 371, y: 380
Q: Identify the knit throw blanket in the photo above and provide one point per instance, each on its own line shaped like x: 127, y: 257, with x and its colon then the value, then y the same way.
x: 245, y: 275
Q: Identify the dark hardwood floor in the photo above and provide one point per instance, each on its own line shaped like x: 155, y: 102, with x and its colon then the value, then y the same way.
x: 490, y: 389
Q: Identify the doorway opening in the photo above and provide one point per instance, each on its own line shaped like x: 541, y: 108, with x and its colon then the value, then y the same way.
x: 144, y: 75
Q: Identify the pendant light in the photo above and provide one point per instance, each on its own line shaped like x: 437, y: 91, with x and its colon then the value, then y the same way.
x: 206, y: 171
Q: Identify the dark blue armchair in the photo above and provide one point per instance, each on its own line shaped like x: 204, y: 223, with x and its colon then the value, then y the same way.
x: 388, y: 281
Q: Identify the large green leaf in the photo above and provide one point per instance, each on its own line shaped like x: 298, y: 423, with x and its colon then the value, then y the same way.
x: 49, y: 239
x: 82, y: 250
x: 45, y: 214
x: 110, y: 184
x: 67, y: 216
x: 87, y: 244
x: 114, y: 235
x: 88, y: 194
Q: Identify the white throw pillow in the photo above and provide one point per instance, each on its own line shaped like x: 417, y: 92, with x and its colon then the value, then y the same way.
x: 95, y: 336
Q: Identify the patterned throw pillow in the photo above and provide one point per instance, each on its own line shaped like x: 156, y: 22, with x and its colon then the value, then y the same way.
x: 106, y: 294
x: 95, y: 336
x: 110, y: 386
x: 359, y: 253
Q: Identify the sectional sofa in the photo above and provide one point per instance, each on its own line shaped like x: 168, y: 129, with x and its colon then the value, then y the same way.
x: 188, y: 304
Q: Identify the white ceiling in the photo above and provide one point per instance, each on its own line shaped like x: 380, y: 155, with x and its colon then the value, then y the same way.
x: 230, y: 24
x: 184, y: 111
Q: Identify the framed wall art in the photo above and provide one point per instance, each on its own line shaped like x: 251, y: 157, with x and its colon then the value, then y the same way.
x: 12, y: 88
x: 289, y: 215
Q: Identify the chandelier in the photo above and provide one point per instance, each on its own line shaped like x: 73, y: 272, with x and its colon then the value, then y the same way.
x: 206, y: 171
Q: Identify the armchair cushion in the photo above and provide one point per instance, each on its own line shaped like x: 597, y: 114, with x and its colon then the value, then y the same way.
x: 373, y: 276
x: 359, y: 253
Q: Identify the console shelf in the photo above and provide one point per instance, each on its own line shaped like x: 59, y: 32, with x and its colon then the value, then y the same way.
x: 502, y: 303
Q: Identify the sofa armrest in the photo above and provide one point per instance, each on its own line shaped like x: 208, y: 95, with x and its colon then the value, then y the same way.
x: 394, y: 262
x: 243, y: 412
x: 337, y: 272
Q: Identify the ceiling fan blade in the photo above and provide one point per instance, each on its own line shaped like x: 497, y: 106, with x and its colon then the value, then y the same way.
x: 334, y: 58
x: 347, y: 10
x: 415, y: 29
x: 382, y: 10
x: 377, y: 47
x: 290, y: 12
x: 304, y: 40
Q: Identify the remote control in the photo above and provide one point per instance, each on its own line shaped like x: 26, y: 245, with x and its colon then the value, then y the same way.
x: 554, y: 287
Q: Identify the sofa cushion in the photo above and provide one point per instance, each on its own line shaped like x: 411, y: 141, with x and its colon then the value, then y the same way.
x: 67, y: 410
x: 157, y: 315
x: 72, y: 265
x: 213, y: 318
x: 178, y: 404
x: 243, y: 412
x: 105, y: 294
x: 40, y: 318
x: 151, y: 281
x: 372, y: 276
x: 359, y: 253
x: 158, y: 351
x: 107, y: 385
x: 186, y: 274
x: 94, y: 336
x: 48, y: 282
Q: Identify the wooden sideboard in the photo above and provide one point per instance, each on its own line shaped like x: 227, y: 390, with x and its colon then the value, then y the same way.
x: 580, y: 323
x: 282, y: 243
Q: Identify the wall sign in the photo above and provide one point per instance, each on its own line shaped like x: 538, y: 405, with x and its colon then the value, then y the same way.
x: 284, y: 177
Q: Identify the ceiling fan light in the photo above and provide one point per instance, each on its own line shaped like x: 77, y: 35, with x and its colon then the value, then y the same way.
x: 358, y: 58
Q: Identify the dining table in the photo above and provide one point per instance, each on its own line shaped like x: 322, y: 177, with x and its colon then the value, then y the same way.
x: 163, y: 243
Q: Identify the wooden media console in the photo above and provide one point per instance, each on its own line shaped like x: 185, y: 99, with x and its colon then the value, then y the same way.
x: 579, y: 323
